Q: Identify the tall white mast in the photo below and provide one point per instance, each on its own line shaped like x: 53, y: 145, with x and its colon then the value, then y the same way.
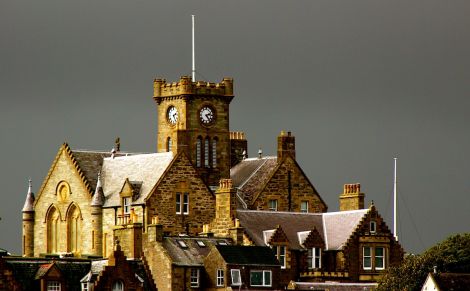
x: 194, y: 62
x: 395, y: 200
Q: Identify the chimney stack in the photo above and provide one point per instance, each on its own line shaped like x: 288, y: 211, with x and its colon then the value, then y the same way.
x: 285, y: 145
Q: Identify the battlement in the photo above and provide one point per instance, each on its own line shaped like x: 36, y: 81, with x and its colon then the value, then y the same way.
x: 237, y: 135
x: 185, y: 86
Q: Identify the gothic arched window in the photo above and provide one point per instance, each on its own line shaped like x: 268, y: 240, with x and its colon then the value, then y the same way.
x: 169, y: 144
x: 198, y: 151
x: 206, y: 152
x: 52, y: 221
x: 214, y: 152
x: 73, y: 229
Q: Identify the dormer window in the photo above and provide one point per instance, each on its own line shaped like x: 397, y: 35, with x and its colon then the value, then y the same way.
x: 373, y: 226
x: 314, y: 258
x: 281, y: 256
x: 126, y: 202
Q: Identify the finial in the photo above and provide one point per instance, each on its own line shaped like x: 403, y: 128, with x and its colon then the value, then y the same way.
x: 113, y: 152
x: 244, y: 154
x: 371, y: 203
x: 29, y: 202
x: 30, y: 186
x: 260, y: 153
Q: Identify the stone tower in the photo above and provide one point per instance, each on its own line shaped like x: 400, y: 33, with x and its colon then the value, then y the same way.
x: 352, y: 198
x: 194, y: 117
x: 28, y: 223
x: 96, y: 204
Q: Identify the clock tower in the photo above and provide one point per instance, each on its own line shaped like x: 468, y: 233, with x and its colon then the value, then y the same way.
x: 194, y: 117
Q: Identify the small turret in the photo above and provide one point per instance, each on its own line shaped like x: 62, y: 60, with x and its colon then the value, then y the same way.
x: 28, y: 223
x: 97, y: 202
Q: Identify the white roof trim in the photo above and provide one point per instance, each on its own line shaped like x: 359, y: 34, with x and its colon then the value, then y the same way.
x: 267, y: 234
x: 302, y: 235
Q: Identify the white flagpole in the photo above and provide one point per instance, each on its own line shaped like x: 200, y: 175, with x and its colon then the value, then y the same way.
x: 194, y: 62
x: 395, y: 200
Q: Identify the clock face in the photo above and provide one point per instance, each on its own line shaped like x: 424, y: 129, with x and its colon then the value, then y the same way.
x: 172, y: 114
x: 206, y: 115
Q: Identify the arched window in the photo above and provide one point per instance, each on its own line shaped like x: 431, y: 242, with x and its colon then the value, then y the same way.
x: 118, y: 286
x: 73, y: 229
x: 206, y: 152
x: 169, y: 144
x: 52, y: 230
x: 214, y: 153
x: 198, y: 151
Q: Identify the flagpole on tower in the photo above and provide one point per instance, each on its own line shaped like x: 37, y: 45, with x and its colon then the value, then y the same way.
x: 395, y: 199
x: 193, y: 54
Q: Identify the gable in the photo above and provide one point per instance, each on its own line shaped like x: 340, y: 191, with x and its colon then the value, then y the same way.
x: 313, y: 239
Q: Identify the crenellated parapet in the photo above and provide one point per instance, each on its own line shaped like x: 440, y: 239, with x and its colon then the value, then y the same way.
x: 162, y: 88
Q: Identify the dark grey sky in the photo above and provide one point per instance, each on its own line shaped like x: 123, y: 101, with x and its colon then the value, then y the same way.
x: 357, y: 82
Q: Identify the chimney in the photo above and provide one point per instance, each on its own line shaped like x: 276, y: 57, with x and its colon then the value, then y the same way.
x: 352, y: 198
x: 225, y: 208
x: 285, y: 145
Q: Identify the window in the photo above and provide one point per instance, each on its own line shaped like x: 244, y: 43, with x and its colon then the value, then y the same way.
x: 182, y: 244
x: 200, y: 243
x: 379, y: 258
x: 53, y: 286
x: 221, y: 243
x: 169, y: 144
x: 194, y: 277
x: 367, y: 258
x: 73, y: 229
x: 85, y: 287
x: 260, y: 278
x: 198, y: 151
x: 373, y: 227
x: 206, y: 152
x: 118, y: 286
x: 220, y: 277
x: 281, y: 256
x: 272, y: 205
x: 236, y: 277
x: 214, y: 153
x: 126, y: 202
x: 314, y: 258
x: 182, y: 203
x: 52, y: 230
x: 304, y: 206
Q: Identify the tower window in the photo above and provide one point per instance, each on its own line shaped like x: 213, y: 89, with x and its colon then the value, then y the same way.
x: 198, y: 151
x: 214, y: 153
x: 169, y: 144
x: 206, y: 152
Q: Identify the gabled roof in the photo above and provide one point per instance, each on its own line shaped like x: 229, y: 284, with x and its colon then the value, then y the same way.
x: 248, y: 255
x: 452, y: 281
x: 145, y: 168
x: 250, y: 175
x: 335, y: 228
x: 192, y: 254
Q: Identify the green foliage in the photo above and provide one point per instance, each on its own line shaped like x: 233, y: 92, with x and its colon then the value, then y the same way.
x: 451, y: 255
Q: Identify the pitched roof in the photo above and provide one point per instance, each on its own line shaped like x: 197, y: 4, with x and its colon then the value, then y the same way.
x: 452, y: 281
x: 145, y: 168
x: 250, y: 175
x: 335, y: 228
x: 248, y: 255
x: 192, y: 254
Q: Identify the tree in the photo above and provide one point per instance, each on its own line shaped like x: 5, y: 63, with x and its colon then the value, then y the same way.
x: 451, y: 255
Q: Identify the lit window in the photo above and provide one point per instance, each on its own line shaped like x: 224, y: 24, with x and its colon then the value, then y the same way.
x: 182, y: 203
x: 379, y: 258
x: 281, y: 256
x: 260, y: 278
x: 206, y: 152
x: 367, y: 258
x: 127, y: 205
x: 314, y: 258
x: 373, y: 227
x: 304, y: 206
x: 53, y: 286
x: 214, y: 153
x: 85, y: 287
x: 220, y: 278
x: 118, y: 286
x: 236, y: 277
x: 198, y: 152
x: 195, y: 278
x: 272, y: 205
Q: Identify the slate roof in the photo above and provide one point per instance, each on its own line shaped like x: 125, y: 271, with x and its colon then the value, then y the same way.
x: 250, y: 175
x: 334, y: 228
x: 193, y: 254
x: 145, y: 168
x: 335, y: 286
x: 248, y: 255
x: 452, y: 281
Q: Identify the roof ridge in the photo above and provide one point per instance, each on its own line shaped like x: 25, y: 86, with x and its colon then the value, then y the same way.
x: 282, y: 212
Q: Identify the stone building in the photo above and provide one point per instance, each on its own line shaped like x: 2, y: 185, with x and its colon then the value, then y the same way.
x: 200, y: 184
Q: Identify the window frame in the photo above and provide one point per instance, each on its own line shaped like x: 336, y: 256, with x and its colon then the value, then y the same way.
x: 281, y: 256
x: 302, y: 203
x: 272, y: 201
x: 382, y: 258
x: 182, y: 203
x: 263, y: 276
x: 236, y: 271
x: 373, y: 226
x: 314, y: 255
x: 50, y: 287
x: 220, y: 278
x: 196, y: 276
x: 207, y: 145
x: 85, y: 286
x: 126, y: 205
x: 121, y: 287
x: 364, y: 257
x: 198, y: 152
